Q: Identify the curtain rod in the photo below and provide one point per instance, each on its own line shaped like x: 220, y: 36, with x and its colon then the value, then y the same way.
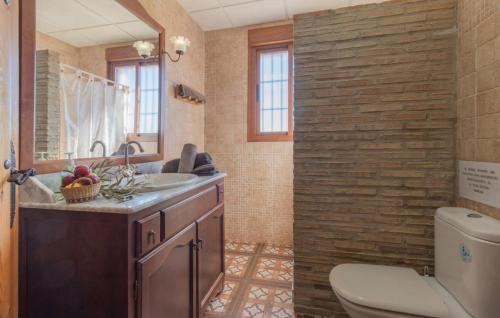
x: 92, y: 75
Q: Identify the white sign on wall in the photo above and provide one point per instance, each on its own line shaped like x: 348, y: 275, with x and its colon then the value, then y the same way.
x: 479, y: 181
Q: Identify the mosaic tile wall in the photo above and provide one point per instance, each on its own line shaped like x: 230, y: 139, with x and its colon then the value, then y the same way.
x: 68, y: 54
x: 478, y: 69
x: 260, y: 175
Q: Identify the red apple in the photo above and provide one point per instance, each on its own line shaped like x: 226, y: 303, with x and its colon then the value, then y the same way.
x: 84, y: 181
x: 67, y: 180
x: 81, y: 171
x: 95, y: 178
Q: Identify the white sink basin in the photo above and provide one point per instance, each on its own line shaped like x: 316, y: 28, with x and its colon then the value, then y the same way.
x: 163, y: 181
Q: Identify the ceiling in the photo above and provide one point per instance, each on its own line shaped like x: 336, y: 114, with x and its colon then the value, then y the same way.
x: 90, y: 22
x: 221, y: 14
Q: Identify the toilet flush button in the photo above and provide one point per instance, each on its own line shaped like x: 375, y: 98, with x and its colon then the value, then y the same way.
x: 465, y: 253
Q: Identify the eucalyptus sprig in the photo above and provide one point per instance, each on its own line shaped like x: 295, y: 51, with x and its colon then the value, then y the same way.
x: 102, y: 169
x: 121, y: 190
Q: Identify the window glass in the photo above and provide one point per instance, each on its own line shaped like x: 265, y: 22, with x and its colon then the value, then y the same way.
x: 273, y: 91
x: 142, y: 113
x: 126, y: 75
x: 149, y: 93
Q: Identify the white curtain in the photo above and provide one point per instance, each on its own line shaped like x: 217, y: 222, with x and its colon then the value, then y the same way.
x: 93, y: 110
x: 117, y: 103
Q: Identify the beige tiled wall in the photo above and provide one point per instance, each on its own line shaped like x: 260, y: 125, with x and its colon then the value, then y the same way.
x: 260, y: 175
x: 68, y: 54
x: 478, y: 74
x: 90, y: 59
x: 93, y: 60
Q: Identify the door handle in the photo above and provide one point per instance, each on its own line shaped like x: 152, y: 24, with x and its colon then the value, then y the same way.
x: 16, y: 177
x: 19, y: 177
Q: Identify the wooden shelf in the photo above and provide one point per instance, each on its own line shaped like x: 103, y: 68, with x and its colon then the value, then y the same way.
x: 186, y: 94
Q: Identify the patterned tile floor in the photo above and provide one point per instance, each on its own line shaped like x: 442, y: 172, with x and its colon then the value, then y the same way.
x: 258, y: 283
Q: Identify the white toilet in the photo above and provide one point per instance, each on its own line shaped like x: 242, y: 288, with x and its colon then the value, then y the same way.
x: 467, y: 282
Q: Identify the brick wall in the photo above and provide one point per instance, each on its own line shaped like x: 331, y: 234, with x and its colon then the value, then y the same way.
x: 478, y: 69
x: 374, y: 148
x: 48, y: 117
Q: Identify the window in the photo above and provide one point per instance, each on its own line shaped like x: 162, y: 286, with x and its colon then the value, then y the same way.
x: 142, y: 78
x: 270, y: 100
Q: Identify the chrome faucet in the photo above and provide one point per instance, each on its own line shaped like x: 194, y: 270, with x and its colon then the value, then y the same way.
x: 100, y: 143
x: 127, y: 170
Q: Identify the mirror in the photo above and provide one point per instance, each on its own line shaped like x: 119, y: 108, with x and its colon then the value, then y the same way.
x: 93, y: 92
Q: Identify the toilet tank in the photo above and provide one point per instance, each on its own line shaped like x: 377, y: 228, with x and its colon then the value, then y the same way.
x: 468, y: 259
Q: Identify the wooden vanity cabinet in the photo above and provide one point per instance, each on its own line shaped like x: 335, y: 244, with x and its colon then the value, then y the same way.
x: 166, y: 278
x: 166, y: 261
x: 210, y: 232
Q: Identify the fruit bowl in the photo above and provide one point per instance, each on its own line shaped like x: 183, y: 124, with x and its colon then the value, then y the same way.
x: 81, y: 185
x: 81, y: 190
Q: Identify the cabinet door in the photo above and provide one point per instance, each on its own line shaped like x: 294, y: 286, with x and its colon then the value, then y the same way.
x: 166, y: 278
x: 210, y: 255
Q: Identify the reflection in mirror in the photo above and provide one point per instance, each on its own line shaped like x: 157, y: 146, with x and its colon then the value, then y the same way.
x: 94, y: 93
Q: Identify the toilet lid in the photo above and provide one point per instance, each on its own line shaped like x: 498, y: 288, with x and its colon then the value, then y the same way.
x: 388, y: 288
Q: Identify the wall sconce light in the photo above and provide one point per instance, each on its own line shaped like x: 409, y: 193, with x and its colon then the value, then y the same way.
x: 180, y: 45
x: 145, y: 48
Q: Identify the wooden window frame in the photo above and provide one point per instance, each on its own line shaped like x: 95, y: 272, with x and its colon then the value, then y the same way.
x: 260, y: 41
x: 138, y: 63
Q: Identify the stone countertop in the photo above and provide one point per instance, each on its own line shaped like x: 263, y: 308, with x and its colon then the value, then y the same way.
x: 138, y: 203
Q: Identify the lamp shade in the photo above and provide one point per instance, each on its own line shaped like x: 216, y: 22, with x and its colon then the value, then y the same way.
x: 180, y: 44
x: 144, y: 48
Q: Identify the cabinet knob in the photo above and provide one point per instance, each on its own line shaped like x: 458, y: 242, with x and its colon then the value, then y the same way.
x: 152, y: 233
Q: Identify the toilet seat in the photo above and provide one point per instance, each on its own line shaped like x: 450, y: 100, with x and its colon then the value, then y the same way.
x: 358, y: 311
x: 387, y: 288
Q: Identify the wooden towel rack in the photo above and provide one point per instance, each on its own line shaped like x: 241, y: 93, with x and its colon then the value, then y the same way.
x: 189, y: 95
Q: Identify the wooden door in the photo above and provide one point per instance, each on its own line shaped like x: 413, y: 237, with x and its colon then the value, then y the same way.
x: 210, y: 255
x: 9, y: 110
x: 166, y: 278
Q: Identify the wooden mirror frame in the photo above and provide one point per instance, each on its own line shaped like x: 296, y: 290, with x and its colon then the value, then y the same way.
x: 27, y: 42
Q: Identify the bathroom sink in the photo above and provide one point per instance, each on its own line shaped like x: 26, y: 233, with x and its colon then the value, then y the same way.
x: 164, y: 181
